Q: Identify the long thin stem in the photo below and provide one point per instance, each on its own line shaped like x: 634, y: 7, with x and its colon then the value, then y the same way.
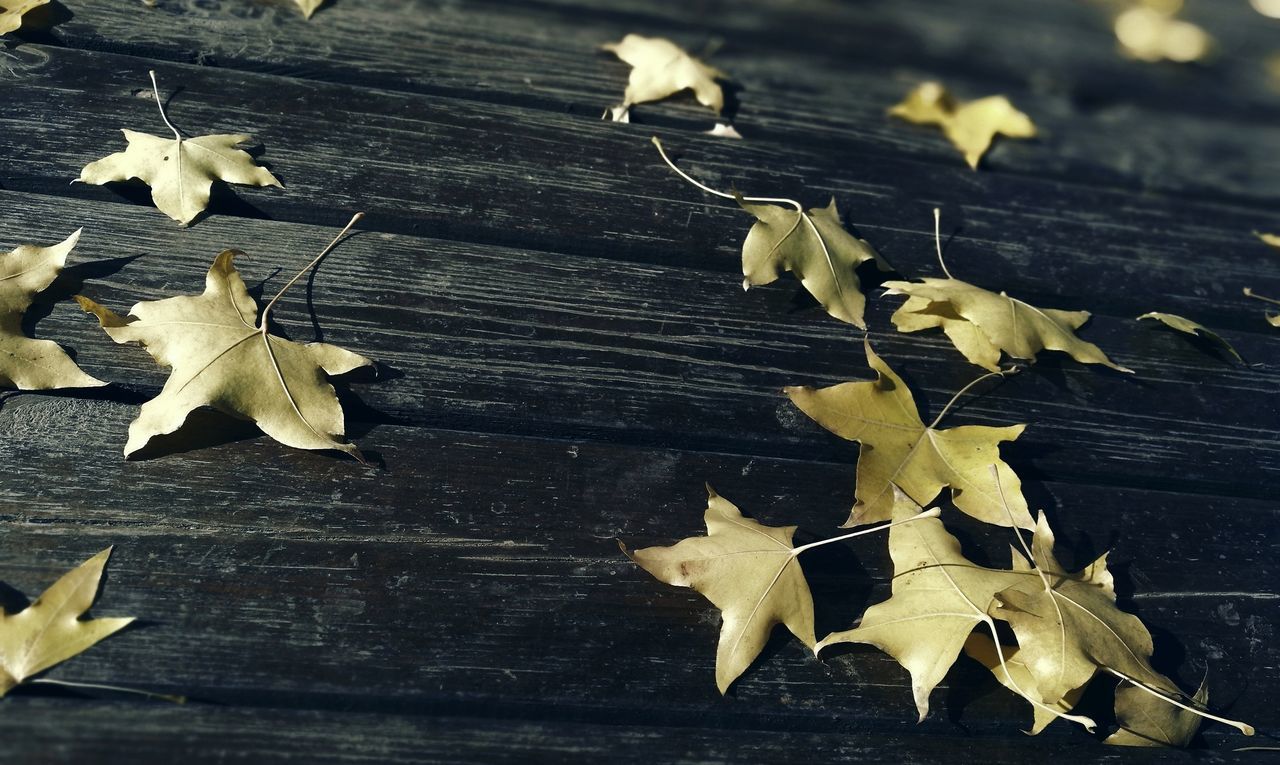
x: 1244, y: 728
x: 965, y: 389
x: 930, y: 513
x: 1250, y: 293
x: 155, y: 88
x: 117, y: 688
x: 1087, y: 722
x: 354, y: 219
x: 763, y: 200
x: 937, y: 240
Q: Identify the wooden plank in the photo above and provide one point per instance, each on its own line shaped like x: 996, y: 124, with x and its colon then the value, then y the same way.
x: 483, y: 338
x: 482, y: 572
x: 1103, y: 119
x: 50, y: 730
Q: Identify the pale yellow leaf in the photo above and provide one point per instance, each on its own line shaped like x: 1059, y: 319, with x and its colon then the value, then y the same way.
x: 971, y: 126
x: 1017, y: 328
x: 660, y: 68
x: 12, y: 11
x: 221, y: 358
x: 749, y: 571
x: 180, y: 172
x: 814, y: 246
x: 1015, y: 676
x: 309, y: 6
x: 937, y: 598
x: 1183, y: 324
x: 898, y: 449
x: 50, y: 631
x: 1271, y: 239
x: 1152, y: 32
x: 28, y: 364
x: 1148, y: 721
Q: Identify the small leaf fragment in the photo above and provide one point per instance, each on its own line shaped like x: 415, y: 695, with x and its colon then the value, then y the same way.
x: 12, y: 11
x: 938, y: 596
x: 1148, y: 721
x: 309, y: 6
x: 1183, y: 324
x: 971, y: 126
x: 899, y: 451
x: 749, y: 571
x: 1272, y: 318
x: 49, y: 631
x: 813, y: 245
x: 221, y: 359
x: 1271, y: 239
x: 26, y: 363
x: 1151, y: 31
x: 660, y: 68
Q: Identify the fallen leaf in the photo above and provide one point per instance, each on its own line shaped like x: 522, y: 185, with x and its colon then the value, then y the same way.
x: 1068, y: 625
x: 28, y: 364
x: 1151, y: 31
x: 1014, y: 675
x: 12, y: 11
x: 971, y: 125
x: 180, y: 171
x: 1271, y: 239
x: 1272, y: 318
x: 660, y: 68
x: 749, y: 571
x: 998, y: 322
x: 1190, y: 327
x: 937, y: 599
x: 813, y: 244
x: 49, y: 631
x: 309, y: 6
x: 223, y: 357
x: 724, y: 130
x: 1147, y: 720
x: 898, y: 449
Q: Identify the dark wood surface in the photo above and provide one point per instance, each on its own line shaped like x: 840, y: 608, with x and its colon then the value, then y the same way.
x: 566, y: 356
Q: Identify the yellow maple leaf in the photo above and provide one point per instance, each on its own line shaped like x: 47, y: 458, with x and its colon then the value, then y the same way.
x: 12, y: 11
x: 660, y: 68
x: 971, y: 125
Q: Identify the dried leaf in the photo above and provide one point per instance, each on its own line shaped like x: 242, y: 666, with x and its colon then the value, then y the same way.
x: 12, y: 11
x: 1272, y: 318
x: 1190, y: 327
x: 899, y: 449
x: 938, y: 597
x: 1271, y: 239
x: 1068, y: 626
x: 1002, y: 323
x: 724, y: 130
x: 971, y: 126
x: 1151, y: 31
x: 223, y: 357
x: 813, y: 245
x: 49, y: 631
x: 1014, y: 675
x: 28, y: 364
x: 660, y: 68
x: 309, y: 6
x: 1146, y: 720
x: 749, y: 571
x: 180, y: 171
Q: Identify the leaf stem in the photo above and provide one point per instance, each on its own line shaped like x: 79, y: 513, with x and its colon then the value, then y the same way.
x: 117, y: 688
x: 709, y: 190
x: 937, y: 240
x: 933, y: 512
x: 1087, y: 722
x: 1250, y: 293
x: 155, y: 88
x: 1000, y: 373
x: 1244, y: 728
x: 354, y: 219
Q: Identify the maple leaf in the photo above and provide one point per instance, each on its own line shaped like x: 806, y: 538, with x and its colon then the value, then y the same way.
x: 1195, y: 329
x: 1146, y: 720
x: 1013, y: 674
x: 937, y: 599
x: 998, y: 322
x: 660, y: 68
x: 1151, y: 31
x: 813, y: 244
x: 749, y: 571
x: 898, y: 449
x: 309, y: 6
x: 971, y: 126
x: 180, y: 171
x: 221, y: 358
x: 12, y: 11
x: 49, y: 631
x: 25, y: 363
